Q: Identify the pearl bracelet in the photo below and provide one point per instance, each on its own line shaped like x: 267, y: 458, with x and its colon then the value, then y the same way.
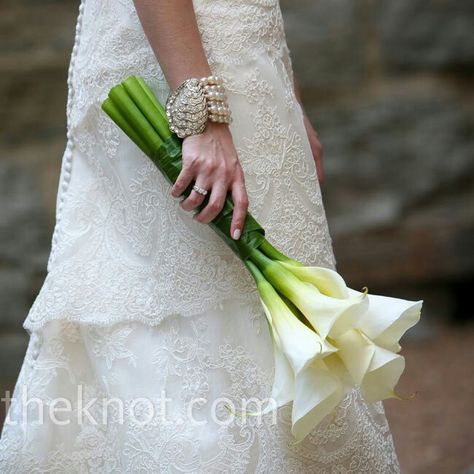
x: 217, y: 105
x: 194, y: 103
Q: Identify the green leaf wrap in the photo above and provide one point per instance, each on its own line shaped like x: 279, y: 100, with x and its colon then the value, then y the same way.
x: 168, y: 158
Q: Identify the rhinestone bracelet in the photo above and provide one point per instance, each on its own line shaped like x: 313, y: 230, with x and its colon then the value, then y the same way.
x: 194, y: 103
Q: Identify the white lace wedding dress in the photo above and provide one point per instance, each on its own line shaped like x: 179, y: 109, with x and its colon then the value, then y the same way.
x: 140, y: 299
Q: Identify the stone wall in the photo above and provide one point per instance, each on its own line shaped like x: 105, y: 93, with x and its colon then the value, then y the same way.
x: 36, y: 38
x: 388, y: 86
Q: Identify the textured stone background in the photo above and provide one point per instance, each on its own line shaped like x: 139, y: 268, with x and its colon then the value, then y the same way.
x: 389, y: 87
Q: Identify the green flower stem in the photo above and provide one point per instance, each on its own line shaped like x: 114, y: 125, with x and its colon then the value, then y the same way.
x: 150, y: 111
x: 134, y: 116
x: 254, y: 271
x: 114, y: 113
x: 263, y: 284
x: 282, y: 279
x: 269, y: 295
x: 166, y: 130
x: 270, y: 251
x: 260, y: 259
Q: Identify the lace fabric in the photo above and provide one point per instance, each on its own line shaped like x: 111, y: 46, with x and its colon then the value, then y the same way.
x: 222, y: 355
x: 115, y: 218
x: 138, y: 294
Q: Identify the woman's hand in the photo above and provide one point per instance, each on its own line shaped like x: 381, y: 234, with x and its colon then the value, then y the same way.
x: 210, y: 159
x: 316, y: 147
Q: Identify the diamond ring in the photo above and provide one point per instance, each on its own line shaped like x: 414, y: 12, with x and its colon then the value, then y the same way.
x: 200, y: 190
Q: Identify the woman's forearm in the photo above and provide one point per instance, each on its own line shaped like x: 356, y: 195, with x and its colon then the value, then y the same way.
x: 316, y: 146
x: 172, y: 31
x: 297, y: 90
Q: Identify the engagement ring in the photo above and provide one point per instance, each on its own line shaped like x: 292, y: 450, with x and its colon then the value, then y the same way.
x: 200, y: 190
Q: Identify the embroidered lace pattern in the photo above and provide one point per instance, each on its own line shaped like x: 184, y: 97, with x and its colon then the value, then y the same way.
x: 183, y: 357
x: 122, y: 247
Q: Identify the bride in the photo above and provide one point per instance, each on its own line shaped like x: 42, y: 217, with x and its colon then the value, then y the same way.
x: 142, y: 301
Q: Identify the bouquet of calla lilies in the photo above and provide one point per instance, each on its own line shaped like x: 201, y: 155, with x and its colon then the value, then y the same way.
x: 327, y: 338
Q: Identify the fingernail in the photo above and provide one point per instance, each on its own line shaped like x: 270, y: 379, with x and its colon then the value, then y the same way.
x: 236, y: 234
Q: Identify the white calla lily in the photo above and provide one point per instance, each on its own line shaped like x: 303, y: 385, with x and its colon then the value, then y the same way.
x: 315, y: 390
x: 301, y: 374
x: 375, y: 369
x: 283, y: 390
x: 297, y: 348
x: 300, y: 344
x: 331, y: 316
x: 384, y: 372
x: 327, y: 338
x: 356, y: 351
x: 318, y: 391
x: 326, y: 314
x: 387, y: 319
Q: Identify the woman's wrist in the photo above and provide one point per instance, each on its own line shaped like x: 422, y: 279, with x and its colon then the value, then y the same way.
x: 214, y: 130
x: 217, y: 127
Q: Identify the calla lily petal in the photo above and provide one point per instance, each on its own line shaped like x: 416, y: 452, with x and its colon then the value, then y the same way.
x: 327, y: 281
x: 330, y: 316
x: 283, y: 388
x: 387, y: 319
x: 284, y: 380
x: 298, y: 342
x: 356, y: 351
x: 335, y: 364
x: 376, y: 369
x: 317, y: 393
x: 383, y: 374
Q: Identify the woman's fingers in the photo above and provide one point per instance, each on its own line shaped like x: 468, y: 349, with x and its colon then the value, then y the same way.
x: 218, y: 187
x: 215, y: 203
x: 211, y: 160
x: 183, y: 180
x: 241, y: 204
x: 194, y: 199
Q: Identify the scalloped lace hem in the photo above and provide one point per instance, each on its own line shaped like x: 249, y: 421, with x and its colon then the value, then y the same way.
x: 102, y: 319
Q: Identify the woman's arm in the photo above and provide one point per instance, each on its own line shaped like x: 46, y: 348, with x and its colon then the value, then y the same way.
x: 316, y: 147
x: 210, y: 158
x: 171, y: 29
